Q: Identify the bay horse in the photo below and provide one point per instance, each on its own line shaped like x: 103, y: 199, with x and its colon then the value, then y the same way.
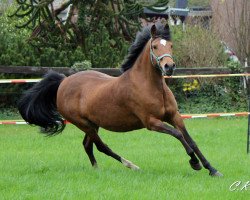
x: 137, y: 99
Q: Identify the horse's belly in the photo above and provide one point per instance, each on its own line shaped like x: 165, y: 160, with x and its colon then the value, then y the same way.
x: 118, y: 121
x: 123, y: 127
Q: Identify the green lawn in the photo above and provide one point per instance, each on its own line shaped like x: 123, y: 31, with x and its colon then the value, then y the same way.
x: 36, y: 167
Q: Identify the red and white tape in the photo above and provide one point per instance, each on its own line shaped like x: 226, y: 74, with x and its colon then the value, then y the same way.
x: 239, y: 114
x: 19, y: 80
x: 184, y: 116
x: 12, y: 122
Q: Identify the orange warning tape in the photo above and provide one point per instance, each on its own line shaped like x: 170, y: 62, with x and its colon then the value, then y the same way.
x: 184, y: 116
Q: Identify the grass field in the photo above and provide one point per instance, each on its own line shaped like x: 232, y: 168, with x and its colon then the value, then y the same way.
x: 37, y: 167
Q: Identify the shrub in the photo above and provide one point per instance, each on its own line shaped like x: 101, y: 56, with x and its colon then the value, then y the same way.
x: 17, y: 50
x: 13, y: 49
x: 104, y: 51
x: 197, y: 47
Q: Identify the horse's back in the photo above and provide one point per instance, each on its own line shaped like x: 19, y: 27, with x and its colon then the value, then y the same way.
x: 89, y: 76
x: 90, y: 79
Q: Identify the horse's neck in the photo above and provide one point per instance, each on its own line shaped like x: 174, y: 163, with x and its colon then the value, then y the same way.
x: 144, y: 73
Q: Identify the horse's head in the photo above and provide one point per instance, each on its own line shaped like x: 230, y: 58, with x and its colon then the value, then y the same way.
x: 161, y: 50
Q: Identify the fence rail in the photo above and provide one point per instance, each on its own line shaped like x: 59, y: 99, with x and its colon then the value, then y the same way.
x: 168, y: 77
x: 209, y: 75
x: 39, y: 71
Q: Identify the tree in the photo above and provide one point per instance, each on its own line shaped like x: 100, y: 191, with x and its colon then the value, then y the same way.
x: 232, y: 21
x: 121, y: 18
x: 102, y: 29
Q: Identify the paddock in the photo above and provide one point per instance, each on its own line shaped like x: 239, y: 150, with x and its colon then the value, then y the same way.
x: 33, y: 166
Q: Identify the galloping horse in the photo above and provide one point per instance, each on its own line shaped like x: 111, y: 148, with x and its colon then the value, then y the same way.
x: 139, y: 98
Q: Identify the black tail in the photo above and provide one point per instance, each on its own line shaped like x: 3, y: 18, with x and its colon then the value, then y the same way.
x: 38, y: 104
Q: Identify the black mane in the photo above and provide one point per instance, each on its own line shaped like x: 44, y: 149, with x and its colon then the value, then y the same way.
x: 140, y: 41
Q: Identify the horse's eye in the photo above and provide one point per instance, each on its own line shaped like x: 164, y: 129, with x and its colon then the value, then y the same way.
x: 171, y: 46
x: 154, y: 47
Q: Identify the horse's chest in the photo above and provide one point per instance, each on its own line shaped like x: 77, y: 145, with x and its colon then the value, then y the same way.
x: 170, y: 104
x: 160, y: 104
x: 145, y: 106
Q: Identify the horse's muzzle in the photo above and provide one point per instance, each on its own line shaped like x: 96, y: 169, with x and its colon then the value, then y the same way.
x: 169, y: 69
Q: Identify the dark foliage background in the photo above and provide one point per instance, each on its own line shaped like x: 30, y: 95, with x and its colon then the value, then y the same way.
x: 105, y: 45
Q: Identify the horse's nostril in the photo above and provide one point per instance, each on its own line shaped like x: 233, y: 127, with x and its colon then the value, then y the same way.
x: 166, y: 66
x: 170, y: 66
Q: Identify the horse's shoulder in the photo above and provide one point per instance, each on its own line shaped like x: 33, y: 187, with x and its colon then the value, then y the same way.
x: 169, y: 98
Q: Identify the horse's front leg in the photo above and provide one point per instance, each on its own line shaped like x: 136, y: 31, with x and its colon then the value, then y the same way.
x: 157, y: 125
x: 178, y: 123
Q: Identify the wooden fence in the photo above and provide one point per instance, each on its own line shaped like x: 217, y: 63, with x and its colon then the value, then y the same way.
x: 39, y: 71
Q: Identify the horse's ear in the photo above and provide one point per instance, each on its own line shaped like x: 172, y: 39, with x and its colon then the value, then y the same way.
x: 153, y: 31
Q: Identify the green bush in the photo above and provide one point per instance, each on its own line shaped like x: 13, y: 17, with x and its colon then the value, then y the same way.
x: 206, y: 95
x: 199, y: 47
x: 17, y: 50
x: 196, y: 47
x: 12, y: 42
x: 104, y: 51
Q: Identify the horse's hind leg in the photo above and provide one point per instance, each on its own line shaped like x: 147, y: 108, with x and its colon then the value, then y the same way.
x: 92, y: 137
x: 88, y: 146
x: 177, y: 122
x: 106, y: 150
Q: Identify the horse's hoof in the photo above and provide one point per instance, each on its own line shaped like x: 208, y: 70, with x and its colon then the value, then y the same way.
x: 216, y: 174
x: 129, y: 164
x: 195, y: 165
x: 95, y: 166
